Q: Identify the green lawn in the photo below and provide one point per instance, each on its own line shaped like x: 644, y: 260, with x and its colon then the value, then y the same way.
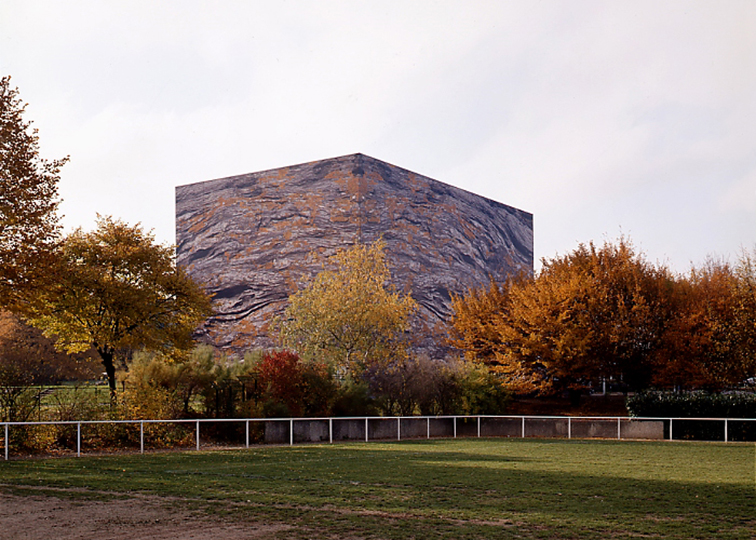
x: 463, y: 488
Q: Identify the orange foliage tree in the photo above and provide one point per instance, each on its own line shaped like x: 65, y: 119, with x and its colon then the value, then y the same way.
x: 605, y: 313
x: 711, y: 341
x: 699, y: 340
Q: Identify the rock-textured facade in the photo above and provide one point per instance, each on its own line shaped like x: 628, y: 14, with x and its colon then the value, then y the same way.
x: 254, y: 239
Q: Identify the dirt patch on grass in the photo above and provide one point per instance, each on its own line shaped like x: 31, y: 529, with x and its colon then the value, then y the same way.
x: 38, y: 517
x: 42, y: 513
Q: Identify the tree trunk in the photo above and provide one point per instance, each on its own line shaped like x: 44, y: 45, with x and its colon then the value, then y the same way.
x: 107, y: 355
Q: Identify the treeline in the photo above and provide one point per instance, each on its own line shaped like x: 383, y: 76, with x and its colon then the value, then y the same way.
x: 605, y: 313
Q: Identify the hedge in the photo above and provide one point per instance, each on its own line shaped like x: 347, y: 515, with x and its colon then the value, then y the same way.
x: 692, y: 404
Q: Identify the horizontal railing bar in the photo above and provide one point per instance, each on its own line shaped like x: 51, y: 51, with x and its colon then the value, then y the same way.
x: 330, y: 419
x: 392, y: 418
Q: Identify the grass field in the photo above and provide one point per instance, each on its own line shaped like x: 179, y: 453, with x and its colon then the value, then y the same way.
x: 463, y: 488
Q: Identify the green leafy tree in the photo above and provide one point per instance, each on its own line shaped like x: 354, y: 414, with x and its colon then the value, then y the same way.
x: 115, y: 289
x: 28, y: 202
x: 350, y: 316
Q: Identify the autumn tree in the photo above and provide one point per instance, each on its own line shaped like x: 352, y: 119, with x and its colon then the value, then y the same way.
x: 290, y: 387
x: 745, y: 312
x: 115, y: 288
x: 349, y: 316
x: 477, y: 320
x: 697, y: 339
x: 28, y: 202
x: 710, y: 342
x: 595, y: 313
x: 36, y: 359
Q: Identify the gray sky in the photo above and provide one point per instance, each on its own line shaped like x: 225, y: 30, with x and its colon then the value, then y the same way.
x: 600, y: 118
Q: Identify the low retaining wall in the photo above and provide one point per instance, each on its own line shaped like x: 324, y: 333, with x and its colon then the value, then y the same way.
x: 392, y: 428
x: 292, y: 430
x: 643, y: 429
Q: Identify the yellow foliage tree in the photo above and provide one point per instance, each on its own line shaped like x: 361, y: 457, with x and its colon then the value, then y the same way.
x: 350, y: 316
x: 115, y: 288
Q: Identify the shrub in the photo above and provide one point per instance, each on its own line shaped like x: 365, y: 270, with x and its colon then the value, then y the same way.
x: 150, y: 389
x: 320, y: 389
x: 279, y: 384
x: 481, y: 391
x: 399, y: 386
x: 71, y: 404
x: 433, y: 387
x: 18, y: 403
x: 353, y: 399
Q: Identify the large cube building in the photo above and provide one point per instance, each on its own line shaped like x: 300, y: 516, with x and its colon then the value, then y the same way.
x: 255, y: 239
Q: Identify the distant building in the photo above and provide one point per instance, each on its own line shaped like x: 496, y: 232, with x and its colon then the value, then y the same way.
x: 251, y: 238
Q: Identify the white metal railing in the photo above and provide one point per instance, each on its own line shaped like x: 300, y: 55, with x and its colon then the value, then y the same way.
x: 522, y: 422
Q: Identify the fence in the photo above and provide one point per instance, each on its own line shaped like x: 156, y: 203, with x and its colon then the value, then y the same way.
x: 298, y: 430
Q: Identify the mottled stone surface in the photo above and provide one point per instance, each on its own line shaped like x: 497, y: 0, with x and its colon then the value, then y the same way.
x: 255, y: 239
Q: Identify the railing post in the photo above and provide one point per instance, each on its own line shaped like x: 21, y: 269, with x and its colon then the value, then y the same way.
x: 619, y: 428
x: 725, y: 429
x: 246, y: 433
x: 569, y: 427
x: 479, y: 427
x: 523, y: 427
x: 78, y: 439
x: 399, y: 428
x: 670, y: 429
x: 198, y: 435
x: 330, y: 430
x: 7, y: 443
x: 291, y: 432
x: 455, y: 427
x: 366, y: 429
x: 141, y: 436
x: 427, y: 427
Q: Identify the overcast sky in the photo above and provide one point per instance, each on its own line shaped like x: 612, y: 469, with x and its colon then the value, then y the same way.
x: 600, y: 118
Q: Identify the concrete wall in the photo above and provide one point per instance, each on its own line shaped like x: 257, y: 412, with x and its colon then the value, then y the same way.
x: 348, y: 429
x: 501, y: 427
x: 594, y: 429
x: 643, y: 429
